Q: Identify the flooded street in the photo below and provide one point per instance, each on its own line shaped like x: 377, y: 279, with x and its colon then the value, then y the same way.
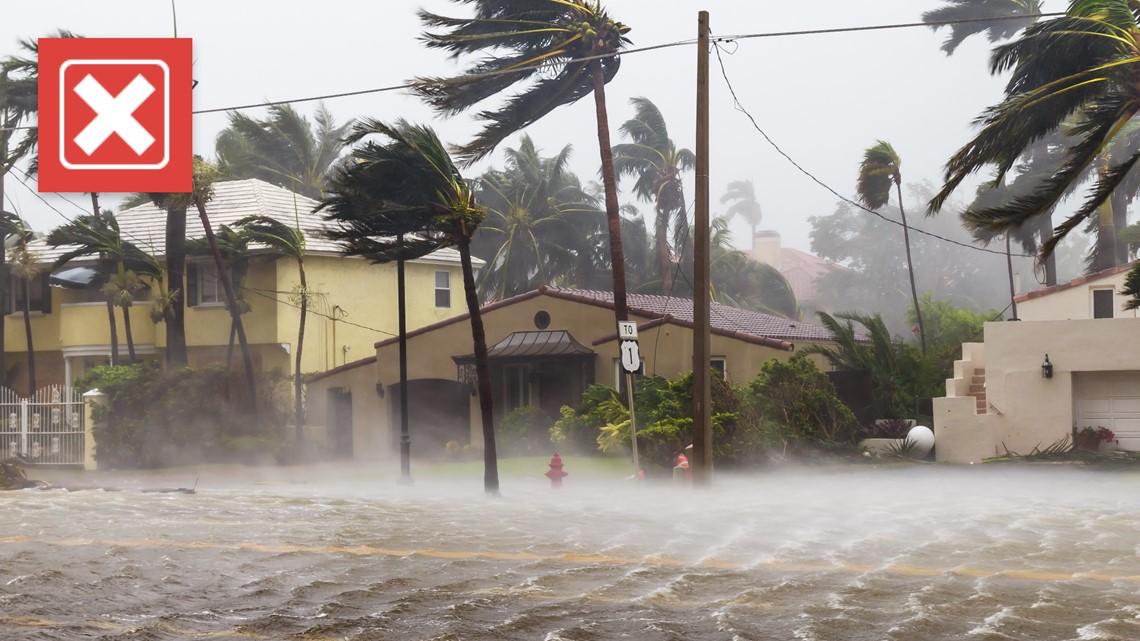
x: 856, y: 554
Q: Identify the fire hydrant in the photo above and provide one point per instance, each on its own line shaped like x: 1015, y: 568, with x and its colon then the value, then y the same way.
x: 681, y: 471
x: 555, y: 473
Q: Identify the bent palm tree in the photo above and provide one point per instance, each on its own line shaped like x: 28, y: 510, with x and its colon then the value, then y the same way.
x: 655, y: 161
x: 745, y: 205
x: 878, y: 172
x: 1074, y: 72
x: 404, y: 199
x: 998, y: 19
x: 284, y: 241
x: 283, y: 149
x: 25, y: 265
x: 564, y: 49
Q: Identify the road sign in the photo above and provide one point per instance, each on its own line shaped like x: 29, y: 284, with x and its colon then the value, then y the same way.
x: 627, y: 330
x: 114, y: 114
x: 630, y: 357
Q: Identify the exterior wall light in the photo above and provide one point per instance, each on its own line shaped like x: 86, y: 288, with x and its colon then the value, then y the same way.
x: 1046, y: 368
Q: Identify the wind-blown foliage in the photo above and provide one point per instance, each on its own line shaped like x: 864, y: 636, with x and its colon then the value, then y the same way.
x: 744, y: 204
x: 991, y: 17
x: 284, y: 149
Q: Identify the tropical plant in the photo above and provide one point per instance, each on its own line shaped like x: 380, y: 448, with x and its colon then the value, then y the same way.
x: 1131, y: 288
x: 800, y: 396
x: 742, y: 195
x: 654, y: 160
x: 282, y: 241
x: 173, y: 302
x: 25, y: 266
x: 284, y: 149
x: 998, y: 19
x: 403, y: 199
x: 234, y: 249
x: 205, y: 175
x: 565, y: 49
x: 878, y: 172
x: 1073, y: 73
x: 540, y: 223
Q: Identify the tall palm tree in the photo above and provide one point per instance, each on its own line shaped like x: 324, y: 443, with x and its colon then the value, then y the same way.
x: 99, y: 237
x: 539, y: 223
x: 403, y: 199
x: 1074, y: 72
x: 234, y: 249
x: 561, y: 50
x: 878, y: 172
x: 283, y: 241
x: 204, y: 176
x: 653, y: 158
x: 742, y: 195
x: 284, y: 149
x: 174, y: 308
x: 25, y: 265
x: 998, y: 19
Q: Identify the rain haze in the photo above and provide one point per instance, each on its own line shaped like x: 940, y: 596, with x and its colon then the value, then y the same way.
x: 822, y: 98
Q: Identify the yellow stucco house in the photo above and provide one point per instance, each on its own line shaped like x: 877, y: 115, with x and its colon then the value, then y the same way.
x: 545, y: 347
x: 354, y: 306
x: 1003, y: 396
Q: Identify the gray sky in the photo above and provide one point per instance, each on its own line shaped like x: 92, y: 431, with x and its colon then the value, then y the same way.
x: 822, y: 98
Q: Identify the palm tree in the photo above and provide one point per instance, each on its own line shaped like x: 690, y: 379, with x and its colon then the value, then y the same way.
x: 204, y: 176
x: 1074, y: 72
x: 174, y: 304
x: 99, y: 236
x: 878, y: 172
x: 284, y: 149
x: 404, y: 199
x: 25, y: 265
x: 283, y: 241
x: 234, y: 249
x: 745, y: 205
x: 568, y: 45
x: 653, y: 158
x: 539, y: 223
x: 972, y: 17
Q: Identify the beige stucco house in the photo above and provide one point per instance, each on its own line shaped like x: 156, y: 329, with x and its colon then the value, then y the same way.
x: 1000, y: 398
x: 545, y: 347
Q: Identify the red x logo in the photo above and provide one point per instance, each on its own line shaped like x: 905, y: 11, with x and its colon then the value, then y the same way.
x: 114, y: 115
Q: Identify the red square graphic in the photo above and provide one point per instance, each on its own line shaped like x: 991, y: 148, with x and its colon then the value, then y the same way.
x: 115, y: 114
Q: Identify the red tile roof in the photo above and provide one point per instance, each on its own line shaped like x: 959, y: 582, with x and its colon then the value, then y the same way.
x: 802, y: 270
x: 1080, y: 280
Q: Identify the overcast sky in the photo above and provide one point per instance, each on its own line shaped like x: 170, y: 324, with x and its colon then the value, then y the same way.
x: 822, y: 98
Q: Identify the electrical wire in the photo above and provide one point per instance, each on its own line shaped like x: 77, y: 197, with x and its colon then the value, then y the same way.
x: 740, y: 107
x: 272, y: 295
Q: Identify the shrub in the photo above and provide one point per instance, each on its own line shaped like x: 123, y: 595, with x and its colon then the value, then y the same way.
x: 799, y: 396
x: 156, y: 418
x: 524, y: 431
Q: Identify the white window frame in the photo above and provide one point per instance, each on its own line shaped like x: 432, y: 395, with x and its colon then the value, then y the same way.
x: 1092, y: 301
x: 723, y: 368
x: 442, y: 289
x: 208, y: 274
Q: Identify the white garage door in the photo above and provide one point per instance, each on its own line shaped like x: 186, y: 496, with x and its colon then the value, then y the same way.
x: 1112, y: 400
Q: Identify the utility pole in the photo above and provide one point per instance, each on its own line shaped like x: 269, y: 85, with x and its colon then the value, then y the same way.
x: 702, y: 383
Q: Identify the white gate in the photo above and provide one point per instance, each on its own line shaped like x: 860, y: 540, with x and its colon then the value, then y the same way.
x: 46, y: 429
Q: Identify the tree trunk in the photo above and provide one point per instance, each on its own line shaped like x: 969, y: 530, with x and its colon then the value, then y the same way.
x: 298, y: 403
x: 609, y: 181
x: 402, y: 327
x: 114, y: 358
x: 175, y: 315
x: 230, y: 346
x: 1104, y: 254
x: 662, y: 240
x: 482, y: 371
x: 5, y: 273
x: 130, y: 336
x: 28, y: 336
x: 910, y: 270
x: 1119, y: 202
x: 231, y: 302
x: 1044, y: 233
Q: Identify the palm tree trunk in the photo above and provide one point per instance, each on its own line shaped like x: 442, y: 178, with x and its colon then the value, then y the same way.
x: 130, y: 336
x: 1044, y: 233
x: 28, y: 337
x: 231, y: 302
x: 298, y: 404
x: 1105, y: 250
x: 609, y: 181
x: 910, y: 270
x: 114, y: 358
x: 5, y: 277
x: 230, y: 347
x: 662, y: 240
x: 1119, y: 202
x: 482, y: 370
x: 175, y: 315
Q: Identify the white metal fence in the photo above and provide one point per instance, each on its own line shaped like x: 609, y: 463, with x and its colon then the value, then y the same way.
x: 46, y: 429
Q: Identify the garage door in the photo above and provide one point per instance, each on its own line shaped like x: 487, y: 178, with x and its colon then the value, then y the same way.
x: 1112, y: 400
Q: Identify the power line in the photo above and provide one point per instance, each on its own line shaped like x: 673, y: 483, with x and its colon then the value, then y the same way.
x: 740, y: 108
x: 271, y: 295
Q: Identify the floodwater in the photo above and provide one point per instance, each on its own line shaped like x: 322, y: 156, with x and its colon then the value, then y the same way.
x: 922, y: 553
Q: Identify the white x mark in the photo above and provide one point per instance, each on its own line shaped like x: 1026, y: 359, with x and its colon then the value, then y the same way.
x: 114, y: 115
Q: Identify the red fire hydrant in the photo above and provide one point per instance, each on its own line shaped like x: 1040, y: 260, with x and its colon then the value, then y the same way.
x: 555, y: 473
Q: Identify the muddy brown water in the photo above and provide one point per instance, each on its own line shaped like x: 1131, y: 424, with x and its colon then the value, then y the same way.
x: 922, y: 553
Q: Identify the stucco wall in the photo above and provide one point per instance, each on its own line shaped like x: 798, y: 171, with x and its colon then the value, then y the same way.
x: 369, y: 442
x: 1074, y: 302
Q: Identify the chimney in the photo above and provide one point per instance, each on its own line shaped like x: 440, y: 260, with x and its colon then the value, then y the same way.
x: 766, y: 247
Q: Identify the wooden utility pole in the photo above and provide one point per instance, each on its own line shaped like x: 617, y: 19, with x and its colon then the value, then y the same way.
x: 702, y: 383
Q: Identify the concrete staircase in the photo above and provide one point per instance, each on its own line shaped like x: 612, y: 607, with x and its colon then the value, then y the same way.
x: 978, y: 389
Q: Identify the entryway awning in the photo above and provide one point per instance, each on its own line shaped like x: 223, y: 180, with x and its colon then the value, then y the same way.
x: 533, y: 345
x: 73, y: 278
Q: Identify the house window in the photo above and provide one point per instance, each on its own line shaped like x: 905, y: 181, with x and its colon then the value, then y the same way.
x: 210, y: 290
x: 35, y: 292
x: 443, y: 289
x: 1103, y: 306
x: 719, y: 364
x: 518, y: 386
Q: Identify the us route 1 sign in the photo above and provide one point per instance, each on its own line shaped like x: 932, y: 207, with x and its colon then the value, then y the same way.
x: 630, y: 357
